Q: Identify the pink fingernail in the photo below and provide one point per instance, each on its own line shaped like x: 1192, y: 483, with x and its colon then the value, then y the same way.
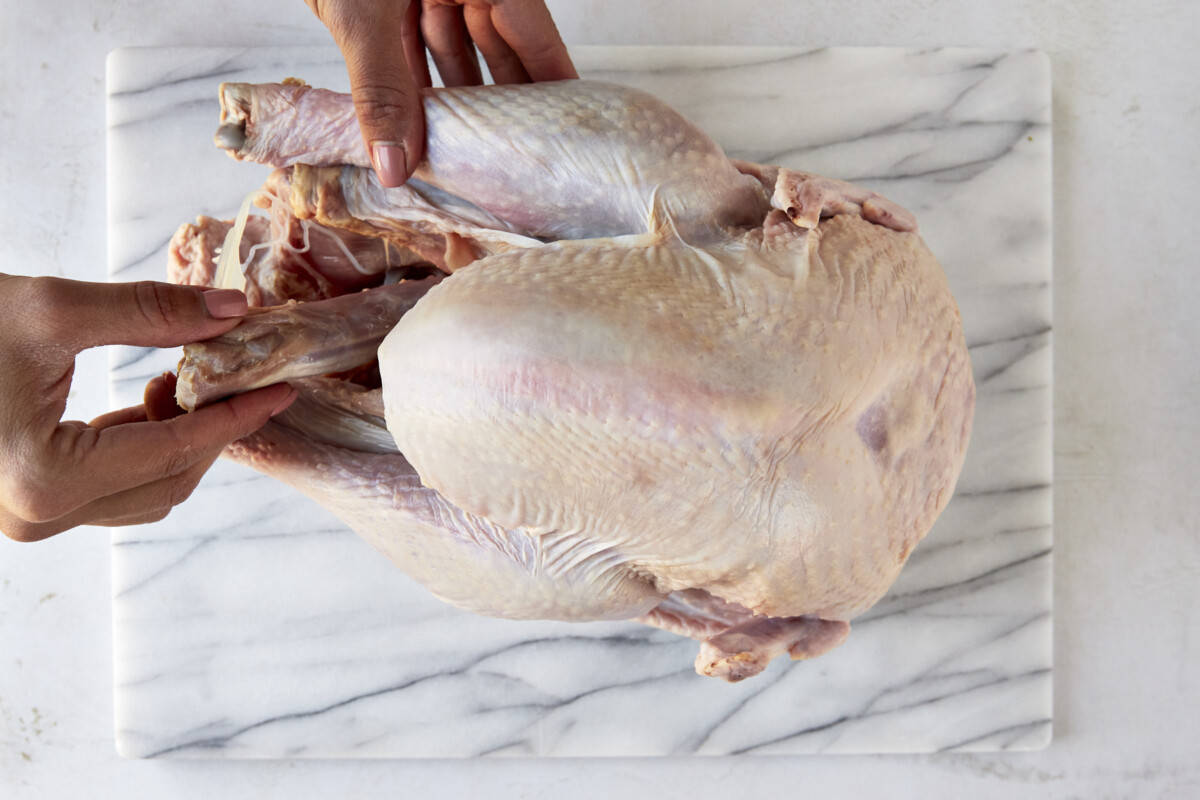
x: 389, y: 161
x: 285, y: 402
x: 225, y: 303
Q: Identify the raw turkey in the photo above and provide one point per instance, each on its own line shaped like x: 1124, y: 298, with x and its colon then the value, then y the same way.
x: 584, y: 366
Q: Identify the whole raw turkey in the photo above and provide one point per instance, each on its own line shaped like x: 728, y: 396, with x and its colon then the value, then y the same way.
x: 619, y: 375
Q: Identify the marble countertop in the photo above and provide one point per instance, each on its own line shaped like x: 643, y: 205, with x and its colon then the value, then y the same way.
x: 1127, y: 563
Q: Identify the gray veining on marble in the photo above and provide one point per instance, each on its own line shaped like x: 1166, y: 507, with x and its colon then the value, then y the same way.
x: 251, y: 623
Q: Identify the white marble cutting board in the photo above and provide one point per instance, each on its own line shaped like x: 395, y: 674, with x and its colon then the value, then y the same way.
x: 251, y: 623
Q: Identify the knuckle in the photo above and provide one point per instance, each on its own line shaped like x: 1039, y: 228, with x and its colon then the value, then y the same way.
x: 240, y: 418
x: 158, y: 514
x: 234, y: 418
x: 178, y: 460
x: 541, y: 52
x: 180, y: 490
x: 158, y: 305
x: 147, y: 515
x: 377, y: 103
x: 170, y: 493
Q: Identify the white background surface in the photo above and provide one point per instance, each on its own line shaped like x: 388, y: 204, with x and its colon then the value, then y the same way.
x: 1127, y: 121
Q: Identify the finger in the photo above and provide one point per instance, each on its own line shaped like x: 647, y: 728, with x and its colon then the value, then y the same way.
x: 386, y: 99
x: 121, y: 417
x: 139, y: 505
x: 414, y: 46
x: 453, y: 52
x: 78, y: 466
x: 528, y: 28
x: 158, y: 403
x: 159, y: 398
x: 503, y: 62
x: 75, y: 315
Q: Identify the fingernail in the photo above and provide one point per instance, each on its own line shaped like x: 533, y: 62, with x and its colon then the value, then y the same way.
x: 285, y: 402
x: 389, y: 161
x: 225, y: 303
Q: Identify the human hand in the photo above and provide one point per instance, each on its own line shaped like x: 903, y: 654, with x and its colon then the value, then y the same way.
x: 384, y: 42
x: 125, y: 467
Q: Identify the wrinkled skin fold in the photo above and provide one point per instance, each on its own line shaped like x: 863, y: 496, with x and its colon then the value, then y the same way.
x: 619, y: 375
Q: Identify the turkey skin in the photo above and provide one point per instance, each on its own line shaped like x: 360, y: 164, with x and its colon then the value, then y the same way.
x: 623, y: 375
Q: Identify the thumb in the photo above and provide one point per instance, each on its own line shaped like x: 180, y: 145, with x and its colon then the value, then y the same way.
x: 386, y: 99
x: 80, y: 314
